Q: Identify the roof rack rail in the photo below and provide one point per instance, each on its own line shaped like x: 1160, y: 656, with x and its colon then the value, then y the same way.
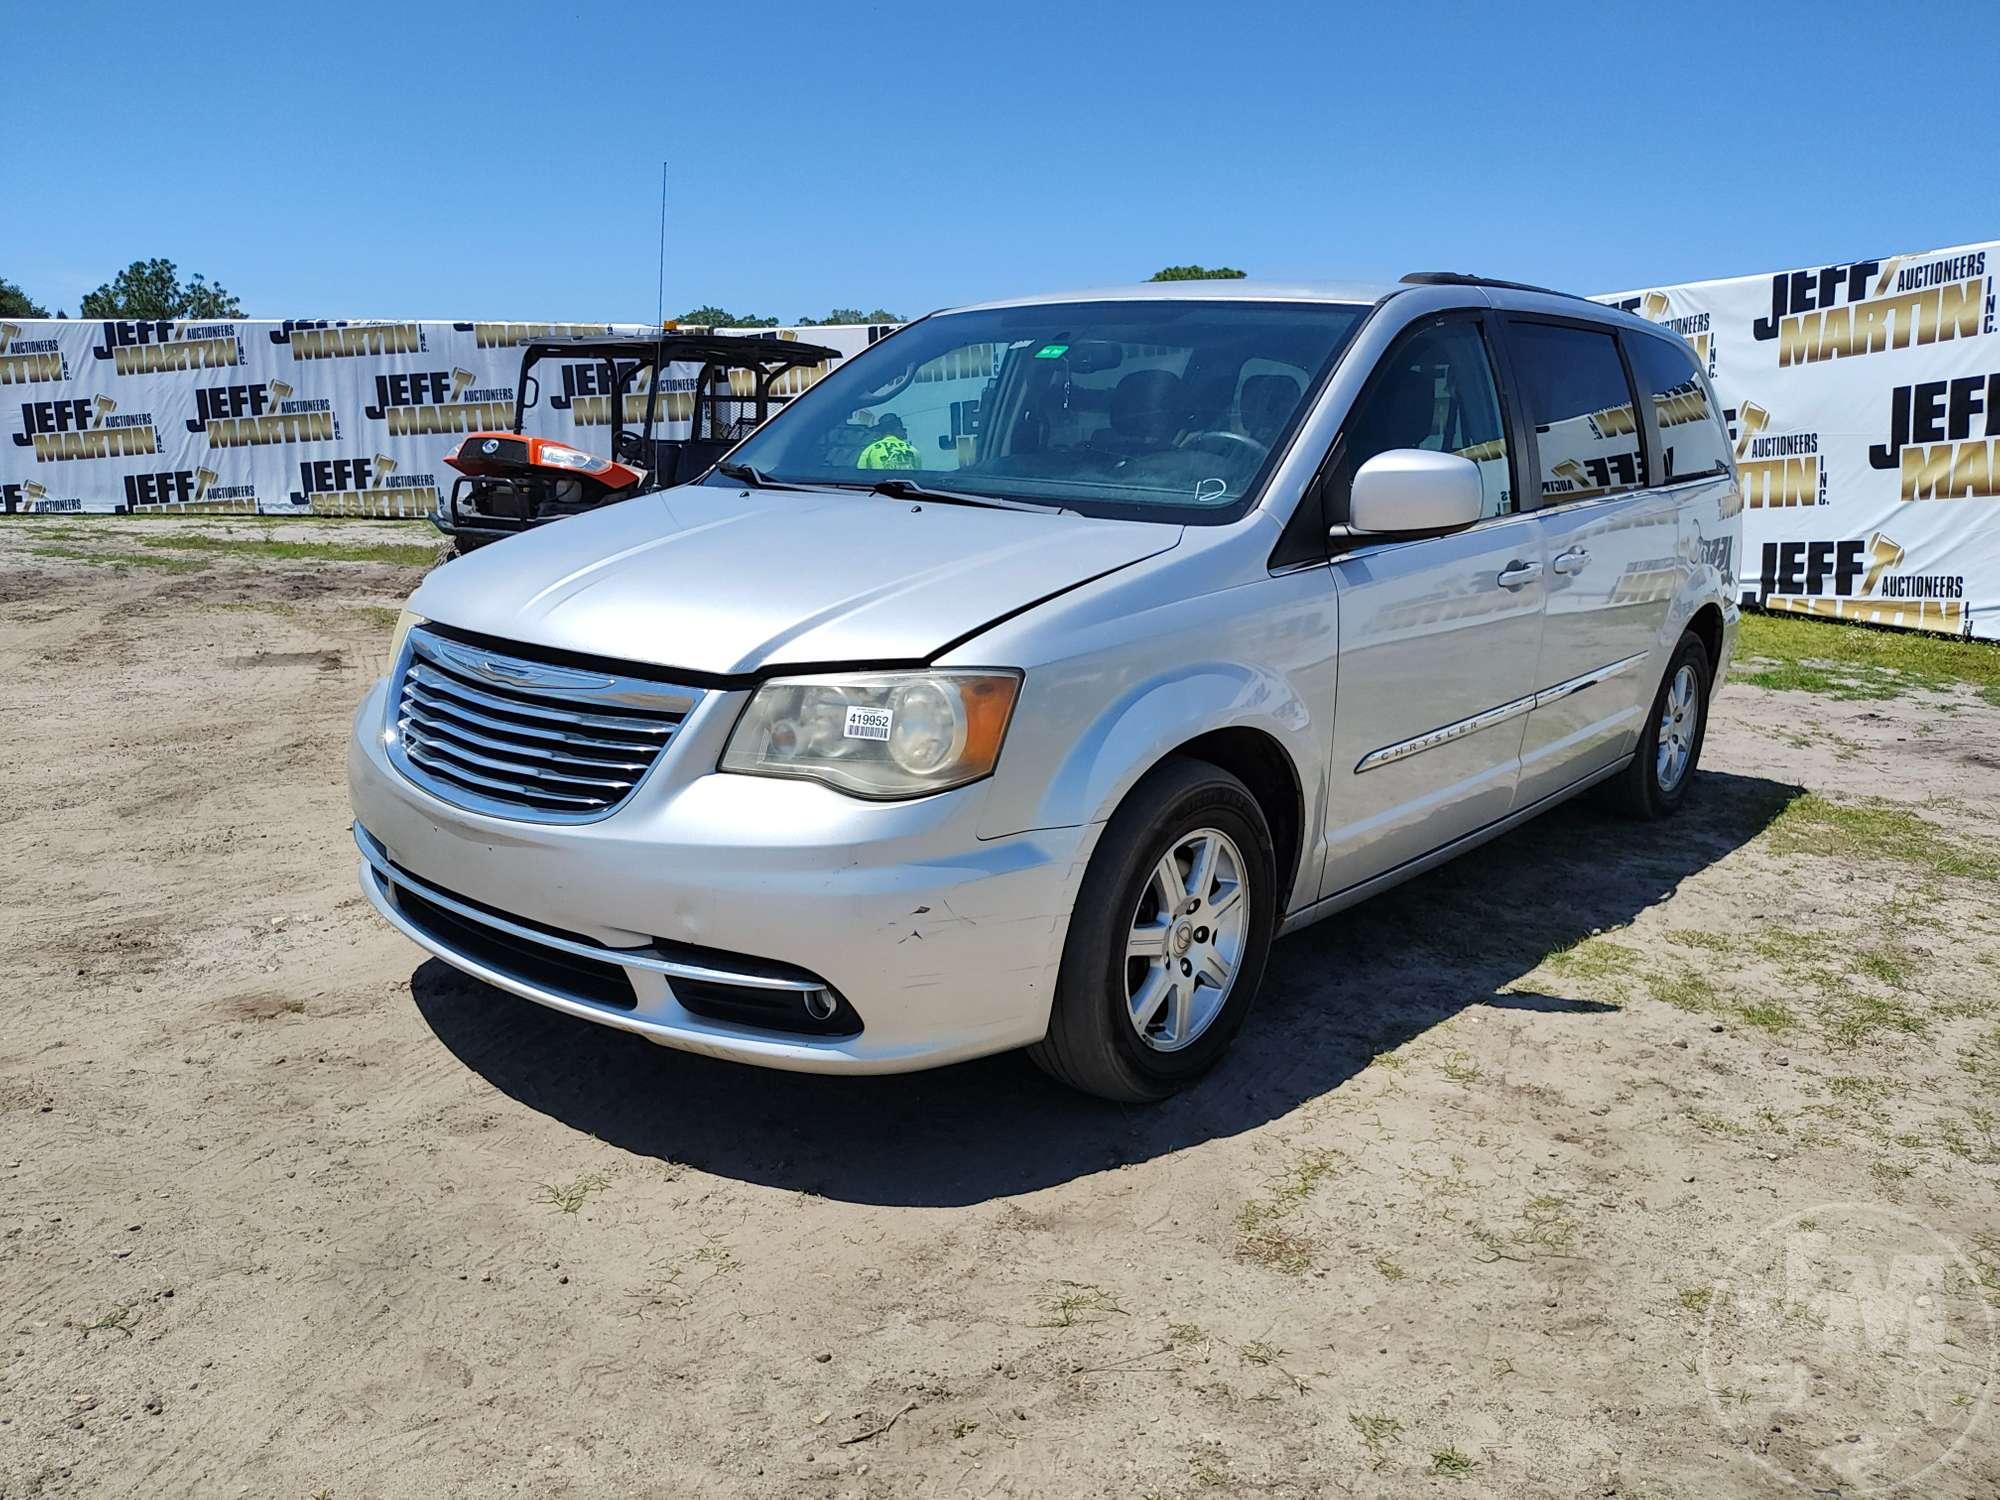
x: 1462, y: 278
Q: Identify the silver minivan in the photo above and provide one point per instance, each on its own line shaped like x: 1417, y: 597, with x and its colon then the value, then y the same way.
x: 1023, y: 680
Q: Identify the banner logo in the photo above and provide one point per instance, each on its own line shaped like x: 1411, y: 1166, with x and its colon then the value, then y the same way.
x: 1854, y: 580
x: 416, y: 403
x: 84, y: 427
x: 323, y: 339
x: 1867, y: 306
x: 1694, y: 328
x: 1944, y: 435
x: 246, y: 416
x: 24, y: 361
x: 187, y: 490
x: 502, y: 335
x: 364, y: 487
x: 146, y: 348
x: 587, y: 394
x: 1581, y: 478
x: 31, y: 497
x: 1778, y: 470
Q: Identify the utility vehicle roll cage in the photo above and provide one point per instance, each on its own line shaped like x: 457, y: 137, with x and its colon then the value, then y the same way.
x: 489, y: 506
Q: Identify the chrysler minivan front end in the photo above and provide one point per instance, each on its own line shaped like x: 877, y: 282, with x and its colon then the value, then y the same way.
x: 1026, y: 676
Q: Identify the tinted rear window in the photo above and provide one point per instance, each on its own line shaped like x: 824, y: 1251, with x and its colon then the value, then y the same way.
x: 1692, y: 439
x: 1586, y: 427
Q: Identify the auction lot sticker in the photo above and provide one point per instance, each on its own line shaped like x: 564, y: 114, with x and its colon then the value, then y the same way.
x: 1850, y: 1349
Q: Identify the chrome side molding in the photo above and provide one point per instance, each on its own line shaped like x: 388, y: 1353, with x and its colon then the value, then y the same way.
x: 1513, y: 709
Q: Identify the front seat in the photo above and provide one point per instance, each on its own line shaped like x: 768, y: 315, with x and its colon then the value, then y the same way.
x: 1404, y: 413
x: 1267, y: 403
x: 1148, y: 410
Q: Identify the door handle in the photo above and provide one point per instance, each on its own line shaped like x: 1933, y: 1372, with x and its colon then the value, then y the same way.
x: 1571, y: 562
x: 1517, y: 574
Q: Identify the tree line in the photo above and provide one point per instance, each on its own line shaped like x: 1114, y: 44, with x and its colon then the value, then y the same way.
x: 149, y: 289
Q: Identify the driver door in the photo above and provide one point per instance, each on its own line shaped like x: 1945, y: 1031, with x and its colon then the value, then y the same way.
x: 1438, y: 634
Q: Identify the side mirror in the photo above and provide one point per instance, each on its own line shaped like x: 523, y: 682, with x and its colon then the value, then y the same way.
x: 1411, y: 489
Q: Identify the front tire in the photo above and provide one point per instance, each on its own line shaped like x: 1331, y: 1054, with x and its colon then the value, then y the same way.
x: 1168, y: 942
x: 1657, y: 781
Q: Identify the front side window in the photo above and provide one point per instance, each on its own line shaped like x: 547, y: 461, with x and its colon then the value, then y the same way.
x: 1168, y: 410
x: 1586, y: 425
x: 1436, y: 391
x: 1693, y: 441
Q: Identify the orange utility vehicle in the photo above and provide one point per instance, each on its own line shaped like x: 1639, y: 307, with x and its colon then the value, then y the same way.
x: 637, y: 386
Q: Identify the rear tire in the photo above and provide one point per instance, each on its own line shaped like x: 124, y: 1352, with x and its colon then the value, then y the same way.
x: 1670, y: 740
x: 1156, y: 980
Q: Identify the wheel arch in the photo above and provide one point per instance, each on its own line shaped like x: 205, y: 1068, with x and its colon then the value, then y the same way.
x: 1706, y: 623
x: 1261, y: 763
x: 1079, y: 758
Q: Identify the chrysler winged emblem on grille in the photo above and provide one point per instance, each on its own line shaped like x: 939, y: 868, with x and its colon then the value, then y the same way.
x: 513, y: 672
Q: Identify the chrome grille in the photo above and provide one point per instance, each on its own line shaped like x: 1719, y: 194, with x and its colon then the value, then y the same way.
x: 517, y: 738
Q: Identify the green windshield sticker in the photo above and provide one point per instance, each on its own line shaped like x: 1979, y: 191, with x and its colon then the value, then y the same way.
x: 1052, y: 351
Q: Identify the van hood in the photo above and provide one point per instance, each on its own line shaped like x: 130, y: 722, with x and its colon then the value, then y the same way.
x: 715, y: 580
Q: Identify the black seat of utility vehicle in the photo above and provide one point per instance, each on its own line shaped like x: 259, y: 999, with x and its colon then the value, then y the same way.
x: 679, y: 460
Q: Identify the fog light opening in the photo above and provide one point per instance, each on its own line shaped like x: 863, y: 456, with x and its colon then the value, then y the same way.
x: 820, y: 1004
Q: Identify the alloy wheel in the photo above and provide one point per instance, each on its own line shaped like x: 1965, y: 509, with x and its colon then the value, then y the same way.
x: 1187, y: 940
x: 1680, y: 716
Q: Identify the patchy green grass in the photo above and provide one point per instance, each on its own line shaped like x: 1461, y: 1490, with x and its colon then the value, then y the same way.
x: 375, y: 616
x: 1594, y: 958
x: 400, y: 554
x: 1982, y: 1060
x: 1853, y: 1016
x: 1843, y: 660
x: 1263, y: 1233
x: 1377, y: 1432
x: 1699, y: 995
x: 114, y: 525
x: 1875, y: 830
x: 1547, y: 1224
x: 1449, y: 1463
x: 1460, y: 1068
x: 116, y: 559
x: 1694, y: 937
x: 119, y: 1320
x: 567, y: 1198
x: 1709, y: 1122
x: 1605, y: 967
x: 1074, y: 1302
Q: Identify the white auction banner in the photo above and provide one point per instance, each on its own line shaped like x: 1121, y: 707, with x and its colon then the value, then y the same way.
x: 1864, y: 400
x: 291, y: 418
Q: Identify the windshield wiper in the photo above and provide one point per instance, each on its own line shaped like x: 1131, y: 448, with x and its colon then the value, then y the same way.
x: 909, y: 489
x: 755, y: 477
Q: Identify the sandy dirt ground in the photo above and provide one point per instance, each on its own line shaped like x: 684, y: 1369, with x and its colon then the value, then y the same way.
x: 1490, y: 1200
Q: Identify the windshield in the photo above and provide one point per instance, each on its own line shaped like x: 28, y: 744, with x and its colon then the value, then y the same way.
x: 1167, y: 410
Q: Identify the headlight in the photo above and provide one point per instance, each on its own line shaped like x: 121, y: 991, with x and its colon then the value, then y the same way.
x: 876, y: 734
x: 559, y: 456
x: 407, y: 621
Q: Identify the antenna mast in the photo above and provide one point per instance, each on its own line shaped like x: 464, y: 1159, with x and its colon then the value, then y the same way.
x: 660, y: 301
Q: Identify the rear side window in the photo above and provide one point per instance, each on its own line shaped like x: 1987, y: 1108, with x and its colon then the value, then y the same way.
x: 1436, y: 391
x: 1586, y: 426
x: 1692, y: 439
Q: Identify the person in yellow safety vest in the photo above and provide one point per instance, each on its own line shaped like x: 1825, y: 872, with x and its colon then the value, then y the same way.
x: 891, y: 450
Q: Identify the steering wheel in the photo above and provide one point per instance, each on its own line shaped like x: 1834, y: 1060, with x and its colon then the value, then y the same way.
x: 631, y: 445
x: 1258, y: 450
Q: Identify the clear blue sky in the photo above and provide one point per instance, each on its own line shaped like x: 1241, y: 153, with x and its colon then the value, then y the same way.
x: 490, y: 160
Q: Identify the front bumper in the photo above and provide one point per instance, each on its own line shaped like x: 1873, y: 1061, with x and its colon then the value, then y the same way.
x: 945, y: 944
